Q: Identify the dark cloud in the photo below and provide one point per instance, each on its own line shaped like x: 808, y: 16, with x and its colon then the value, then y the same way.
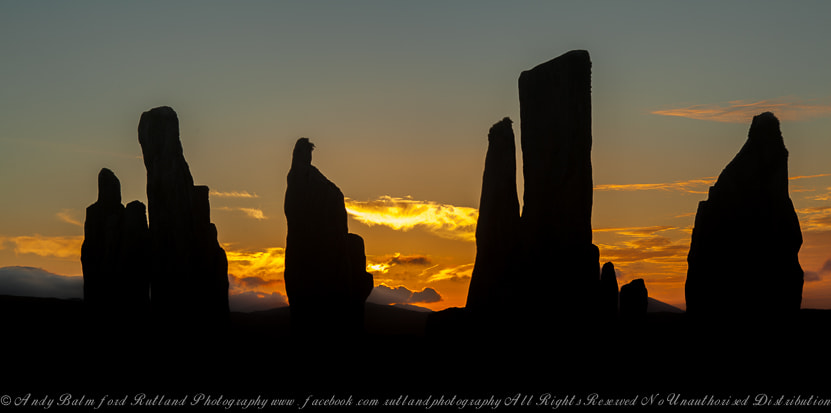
x: 37, y: 282
x: 809, y: 276
x: 251, y: 282
x: 421, y: 260
x: 256, y: 301
x: 402, y: 295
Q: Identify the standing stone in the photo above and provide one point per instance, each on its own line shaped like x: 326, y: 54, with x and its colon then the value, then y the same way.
x: 634, y: 300
x: 498, y: 225
x: 323, y: 286
x: 190, y: 270
x: 114, y: 255
x: 743, y: 258
x: 559, y: 260
x: 608, y: 293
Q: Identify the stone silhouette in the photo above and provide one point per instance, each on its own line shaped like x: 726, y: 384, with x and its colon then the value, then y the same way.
x: 497, y: 228
x: 115, y: 254
x: 634, y: 300
x: 550, y: 246
x: 555, y: 110
x: 360, y: 283
x: 325, y: 279
x: 190, y: 269
x: 743, y: 254
x: 608, y: 293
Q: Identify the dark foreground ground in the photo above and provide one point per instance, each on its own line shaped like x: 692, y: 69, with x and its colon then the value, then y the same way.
x: 51, y: 349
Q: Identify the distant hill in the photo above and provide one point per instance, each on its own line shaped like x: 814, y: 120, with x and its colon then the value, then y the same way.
x: 656, y: 306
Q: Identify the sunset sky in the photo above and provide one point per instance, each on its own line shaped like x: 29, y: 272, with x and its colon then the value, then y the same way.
x: 398, y: 97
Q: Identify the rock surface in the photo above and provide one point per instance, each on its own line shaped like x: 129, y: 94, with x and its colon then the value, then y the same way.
x: 323, y: 284
x: 190, y: 269
x: 743, y: 258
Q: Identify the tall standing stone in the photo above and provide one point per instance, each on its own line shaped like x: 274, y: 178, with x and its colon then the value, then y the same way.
x: 324, y: 285
x: 743, y: 259
x: 559, y: 258
x: 190, y: 270
x: 498, y: 225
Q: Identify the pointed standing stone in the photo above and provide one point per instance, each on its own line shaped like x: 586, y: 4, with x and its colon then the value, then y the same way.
x: 326, y: 282
x: 743, y: 258
x: 498, y: 224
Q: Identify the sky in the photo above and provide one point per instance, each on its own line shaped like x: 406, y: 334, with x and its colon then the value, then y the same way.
x: 398, y: 98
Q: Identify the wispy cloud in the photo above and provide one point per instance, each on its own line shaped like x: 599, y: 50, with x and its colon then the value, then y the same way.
x: 66, y: 216
x: 692, y: 186
x: 742, y: 111
x: 458, y: 273
x: 254, y: 213
x: 233, y: 194
x: 64, y: 247
x: 404, y: 214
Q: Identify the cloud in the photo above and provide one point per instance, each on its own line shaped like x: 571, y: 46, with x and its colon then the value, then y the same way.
x: 382, y: 264
x: 692, y: 186
x: 458, y: 273
x: 256, y: 270
x: 404, y: 214
x: 818, y: 275
x: 233, y: 194
x: 37, y: 282
x: 256, y: 301
x: 47, y: 246
x: 385, y: 295
x: 250, y: 212
x: 66, y: 216
x: 814, y: 218
x: 742, y: 111
x: 644, y: 244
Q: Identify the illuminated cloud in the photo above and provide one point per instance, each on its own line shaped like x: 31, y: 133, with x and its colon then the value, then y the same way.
x: 233, y: 194
x: 640, y: 245
x: 256, y: 270
x: 814, y: 218
x: 458, y: 273
x: 385, y: 295
x: 404, y: 214
x: 741, y: 111
x: 250, y: 212
x: 692, y: 186
x: 46, y: 246
x: 66, y: 216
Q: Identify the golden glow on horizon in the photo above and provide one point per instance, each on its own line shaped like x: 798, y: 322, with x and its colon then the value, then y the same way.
x: 404, y: 214
x: 740, y: 111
